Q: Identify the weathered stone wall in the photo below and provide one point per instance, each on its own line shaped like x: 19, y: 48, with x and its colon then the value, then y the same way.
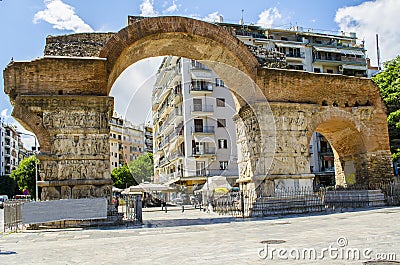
x: 75, y: 150
x: 76, y: 45
x: 56, y: 76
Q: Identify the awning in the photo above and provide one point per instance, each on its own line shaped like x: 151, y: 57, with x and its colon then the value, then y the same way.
x: 289, y: 45
x: 351, y: 52
x: 201, y: 74
x: 205, y: 139
x: 326, y: 49
x: 147, y: 187
x: 336, y: 50
x: 355, y: 67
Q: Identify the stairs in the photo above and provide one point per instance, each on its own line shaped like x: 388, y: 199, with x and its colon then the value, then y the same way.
x: 272, y: 206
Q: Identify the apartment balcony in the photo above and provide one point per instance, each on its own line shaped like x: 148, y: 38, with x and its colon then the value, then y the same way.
x: 222, y: 172
x: 295, y: 56
x: 176, y: 155
x: 209, y: 151
x: 177, y: 133
x: 202, y: 110
x: 174, y: 117
x: 203, y: 130
x: 176, y: 99
x: 202, y: 88
x: 169, y: 178
x: 339, y: 60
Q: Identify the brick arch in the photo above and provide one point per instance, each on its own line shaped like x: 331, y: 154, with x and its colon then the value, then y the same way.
x: 179, y: 36
x: 345, y: 133
x: 352, y: 140
x: 32, y: 122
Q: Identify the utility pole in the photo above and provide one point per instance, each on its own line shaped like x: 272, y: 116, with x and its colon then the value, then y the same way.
x: 36, y: 164
x: 378, y: 53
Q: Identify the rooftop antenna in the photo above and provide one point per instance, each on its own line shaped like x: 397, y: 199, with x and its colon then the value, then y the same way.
x: 241, y: 20
x: 378, y: 53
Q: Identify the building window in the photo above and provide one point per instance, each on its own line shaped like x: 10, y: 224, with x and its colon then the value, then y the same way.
x: 220, y: 102
x: 222, y: 143
x: 317, y: 70
x: 223, y: 165
x: 221, y: 123
x: 219, y: 82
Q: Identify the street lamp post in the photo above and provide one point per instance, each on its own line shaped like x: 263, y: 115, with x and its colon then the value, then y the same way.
x: 36, y: 165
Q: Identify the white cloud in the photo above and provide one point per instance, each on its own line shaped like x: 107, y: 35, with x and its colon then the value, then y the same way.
x: 268, y: 17
x: 213, y: 17
x: 370, y: 18
x: 172, y: 8
x: 61, y: 16
x: 147, y: 9
x: 4, y: 113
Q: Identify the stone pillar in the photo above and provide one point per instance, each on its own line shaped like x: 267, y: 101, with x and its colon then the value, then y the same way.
x: 73, y: 133
x: 273, y: 147
x: 291, y: 162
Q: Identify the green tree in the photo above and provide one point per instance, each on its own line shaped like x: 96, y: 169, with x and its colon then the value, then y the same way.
x: 388, y: 82
x: 24, y: 175
x: 142, y: 168
x: 122, y: 177
x: 8, y: 186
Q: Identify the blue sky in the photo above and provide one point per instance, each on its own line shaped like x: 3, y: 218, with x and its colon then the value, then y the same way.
x: 26, y: 23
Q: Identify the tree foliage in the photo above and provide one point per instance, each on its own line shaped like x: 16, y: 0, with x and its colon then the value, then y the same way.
x: 24, y: 175
x: 8, y: 186
x: 142, y: 168
x: 136, y: 172
x: 388, y: 82
x: 122, y: 177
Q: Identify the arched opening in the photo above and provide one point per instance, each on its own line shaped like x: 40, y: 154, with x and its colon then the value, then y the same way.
x: 337, y: 150
x: 194, y: 134
x: 209, y: 46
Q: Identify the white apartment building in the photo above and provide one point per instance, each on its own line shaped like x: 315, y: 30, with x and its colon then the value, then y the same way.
x: 11, y: 148
x: 194, y: 134
x: 308, y: 50
x: 322, y: 161
x: 126, y: 142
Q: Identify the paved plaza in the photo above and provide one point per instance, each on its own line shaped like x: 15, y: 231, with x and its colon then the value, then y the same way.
x: 195, y: 237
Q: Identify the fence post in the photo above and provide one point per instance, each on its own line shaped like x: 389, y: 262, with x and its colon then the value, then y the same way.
x: 242, y: 202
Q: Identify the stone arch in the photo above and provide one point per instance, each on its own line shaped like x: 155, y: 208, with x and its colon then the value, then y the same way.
x: 208, y: 43
x: 350, y: 140
x: 179, y: 36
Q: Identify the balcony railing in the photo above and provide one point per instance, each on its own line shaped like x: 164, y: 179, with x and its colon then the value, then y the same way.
x: 202, y: 86
x: 222, y: 172
x: 177, y: 132
x: 203, y: 129
x: 202, y: 108
x: 296, y: 55
x: 340, y: 59
x: 205, y: 151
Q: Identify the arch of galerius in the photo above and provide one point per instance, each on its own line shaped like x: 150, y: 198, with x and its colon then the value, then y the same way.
x: 63, y: 98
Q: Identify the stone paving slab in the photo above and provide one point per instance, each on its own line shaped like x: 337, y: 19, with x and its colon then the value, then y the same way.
x: 195, y: 237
